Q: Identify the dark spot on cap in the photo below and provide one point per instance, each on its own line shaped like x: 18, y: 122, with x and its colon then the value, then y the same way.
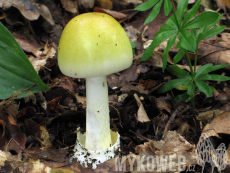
x: 75, y: 74
x: 115, y: 44
x: 99, y: 35
x: 98, y: 111
x: 97, y: 43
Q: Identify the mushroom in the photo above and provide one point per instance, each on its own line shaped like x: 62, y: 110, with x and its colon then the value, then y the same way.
x: 93, y: 45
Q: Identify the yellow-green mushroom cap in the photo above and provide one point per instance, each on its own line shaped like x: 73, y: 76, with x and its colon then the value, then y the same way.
x: 93, y: 45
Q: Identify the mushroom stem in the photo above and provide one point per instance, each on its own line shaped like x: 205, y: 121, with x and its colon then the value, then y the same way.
x: 98, y: 135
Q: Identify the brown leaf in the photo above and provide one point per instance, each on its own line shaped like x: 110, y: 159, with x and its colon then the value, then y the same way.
x: 70, y: 5
x: 217, y: 52
x: 81, y: 99
x: 28, y: 9
x: 49, y: 154
x: 54, y: 107
x: 65, y: 82
x: 127, y: 87
x: 141, y: 113
x: 28, y: 43
x: 163, y: 103
x: 207, y: 116
x: 155, y: 60
x: 45, y: 12
x: 67, y: 97
x: 27, y: 112
x: 130, y: 74
x: 114, y: 14
x: 38, y: 131
x: 106, y: 4
x: 42, y: 57
x: 86, y: 3
x: 173, y: 145
x: 3, y: 123
x: 219, y: 57
x: 13, y: 134
x: 220, y: 124
x: 132, y: 33
x: 148, y: 84
x: 12, y: 163
x: 223, y: 3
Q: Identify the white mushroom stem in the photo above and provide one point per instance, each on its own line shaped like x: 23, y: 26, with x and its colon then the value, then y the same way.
x: 98, y: 135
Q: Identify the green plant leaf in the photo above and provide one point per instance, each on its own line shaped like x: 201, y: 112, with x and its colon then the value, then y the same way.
x: 191, y: 90
x: 182, y: 87
x: 217, y: 67
x: 214, y: 31
x: 212, y: 88
x: 191, y: 13
x: 203, y: 87
x: 205, y: 69
x: 155, y: 11
x: 194, y: 33
x: 147, y: 5
x: 179, y: 55
x: 213, y: 77
x: 200, y: 37
x: 170, y: 44
x: 181, y: 8
x: 180, y: 97
x: 167, y: 7
x: 16, y: 71
x: 133, y: 44
x: 207, y: 27
x: 165, y: 32
x: 201, y: 20
x: 186, y: 41
x: 180, y: 73
x: 172, y: 84
x: 172, y: 23
x: 202, y: 34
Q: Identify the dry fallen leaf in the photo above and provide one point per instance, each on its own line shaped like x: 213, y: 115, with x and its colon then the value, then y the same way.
x: 70, y: 5
x: 86, y: 3
x: 39, y: 131
x: 13, y: 139
x: 172, y: 147
x: 106, y: 4
x: 29, y: 9
x: 207, y: 116
x: 220, y: 124
x: 114, y: 14
x: 132, y: 33
x: 81, y: 99
x: 12, y: 163
x: 223, y: 3
x: 141, y: 113
x: 42, y: 56
x: 3, y: 124
x: 130, y: 74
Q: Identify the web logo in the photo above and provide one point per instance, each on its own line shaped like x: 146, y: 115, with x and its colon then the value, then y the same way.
x: 207, y: 154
